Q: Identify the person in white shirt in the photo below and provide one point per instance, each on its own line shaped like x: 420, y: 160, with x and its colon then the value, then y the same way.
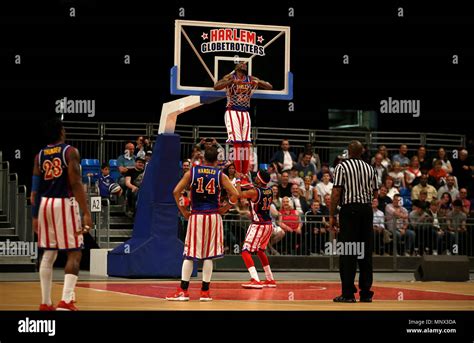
x: 324, y: 187
x: 379, y: 228
x: 397, y: 175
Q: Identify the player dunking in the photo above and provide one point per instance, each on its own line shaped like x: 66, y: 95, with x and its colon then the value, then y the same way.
x: 57, y: 193
x: 204, y: 236
x: 239, y: 88
x: 259, y: 232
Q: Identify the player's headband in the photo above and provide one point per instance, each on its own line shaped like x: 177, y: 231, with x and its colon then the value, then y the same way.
x: 259, y: 177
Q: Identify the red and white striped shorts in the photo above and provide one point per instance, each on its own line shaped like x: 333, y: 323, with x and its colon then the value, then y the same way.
x: 58, y: 221
x: 204, y: 237
x: 238, y: 126
x: 257, y: 237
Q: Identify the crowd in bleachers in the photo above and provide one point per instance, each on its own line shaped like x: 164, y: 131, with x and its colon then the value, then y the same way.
x: 423, y: 205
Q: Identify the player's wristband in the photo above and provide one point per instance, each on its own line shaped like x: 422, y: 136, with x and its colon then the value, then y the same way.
x: 237, y: 180
x: 232, y: 203
x: 35, y: 183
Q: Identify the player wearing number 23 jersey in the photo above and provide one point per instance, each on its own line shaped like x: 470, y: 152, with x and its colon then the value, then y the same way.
x: 58, y: 215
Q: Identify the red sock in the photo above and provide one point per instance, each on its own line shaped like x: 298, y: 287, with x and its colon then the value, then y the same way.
x: 237, y: 157
x: 245, y: 157
x: 263, y: 258
x: 247, y: 259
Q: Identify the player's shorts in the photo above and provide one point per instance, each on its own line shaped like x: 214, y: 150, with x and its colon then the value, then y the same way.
x: 257, y: 237
x: 58, y: 221
x: 204, y: 237
x: 238, y: 126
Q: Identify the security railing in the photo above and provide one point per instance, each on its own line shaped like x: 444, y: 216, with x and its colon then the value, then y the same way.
x: 311, y: 237
x: 106, y: 141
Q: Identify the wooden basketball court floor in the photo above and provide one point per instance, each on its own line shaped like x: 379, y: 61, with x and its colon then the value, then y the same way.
x: 295, y: 292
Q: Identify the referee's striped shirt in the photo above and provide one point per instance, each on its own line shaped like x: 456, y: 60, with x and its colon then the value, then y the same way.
x: 357, y: 179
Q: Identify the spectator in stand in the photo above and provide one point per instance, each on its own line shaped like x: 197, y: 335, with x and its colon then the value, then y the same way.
x: 284, y: 158
x: 397, y: 175
x: 379, y: 228
x: 423, y: 199
x: 396, y: 218
x: 383, y: 198
x: 185, y: 167
x: 391, y: 189
x: 315, y: 160
x: 324, y: 187
x: 412, y: 172
x: 276, y: 197
x: 437, y: 224
x: 450, y: 188
x: 457, y: 230
x: 125, y: 162
x: 139, y: 148
x: 380, y: 171
x: 462, y: 169
x: 385, y: 159
x: 310, y: 192
x: 197, y: 157
x: 147, y: 144
x: 284, y: 188
x: 443, y: 157
x: 133, y: 181
x: 445, y: 204
x: 401, y: 156
x: 324, y: 169
x: 306, y: 168
x: 295, y: 178
x: 423, y: 185
x: 231, y: 173
x: 325, y: 210
x: 290, y: 222
x: 299, y: 201
x: 438, y: 173
x: 274, y: 175
x: 419, y: 222
x: 316, y: 234
x: 425, y: 163
x: 105, y: 182
x: 148, y: 156
x: 466, y: 204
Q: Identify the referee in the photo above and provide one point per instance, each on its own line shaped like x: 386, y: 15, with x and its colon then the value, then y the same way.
x: 355, y: 185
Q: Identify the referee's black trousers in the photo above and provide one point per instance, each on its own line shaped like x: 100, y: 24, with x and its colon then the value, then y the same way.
x: 356, y: 225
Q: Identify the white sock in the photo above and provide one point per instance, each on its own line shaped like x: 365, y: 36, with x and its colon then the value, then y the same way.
x: 268, y: 272
x: 187, y: 270
x: 207, y: 270
x: 46, y: 275
x: 253, y: 273
x: 68, y: 288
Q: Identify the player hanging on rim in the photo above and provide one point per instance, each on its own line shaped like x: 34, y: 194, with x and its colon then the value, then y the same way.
x: 57, y: 193
x: 239, y: 89
x: 204, y: 236
x: 259, y: 232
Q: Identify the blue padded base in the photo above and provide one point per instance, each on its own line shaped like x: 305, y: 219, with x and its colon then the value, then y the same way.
x: 154, y: 251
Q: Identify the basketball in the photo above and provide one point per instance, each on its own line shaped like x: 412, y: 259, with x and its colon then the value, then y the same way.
x: 114, y: 188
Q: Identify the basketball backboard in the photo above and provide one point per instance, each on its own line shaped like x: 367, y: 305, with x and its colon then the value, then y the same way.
x: 206, y: 51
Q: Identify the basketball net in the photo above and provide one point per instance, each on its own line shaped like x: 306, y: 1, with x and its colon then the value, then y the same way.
x: 240, y: 94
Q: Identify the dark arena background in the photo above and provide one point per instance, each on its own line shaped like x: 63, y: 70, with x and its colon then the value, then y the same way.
x: 390, y: 75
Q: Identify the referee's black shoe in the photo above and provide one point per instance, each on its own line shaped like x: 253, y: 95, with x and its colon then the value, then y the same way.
x: 343, y: 299
x: 367, y: 297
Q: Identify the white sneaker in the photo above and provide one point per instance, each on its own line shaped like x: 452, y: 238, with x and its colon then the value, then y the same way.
x: 435, y: 253
x: 407, y: 254
x: 448, y: 252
